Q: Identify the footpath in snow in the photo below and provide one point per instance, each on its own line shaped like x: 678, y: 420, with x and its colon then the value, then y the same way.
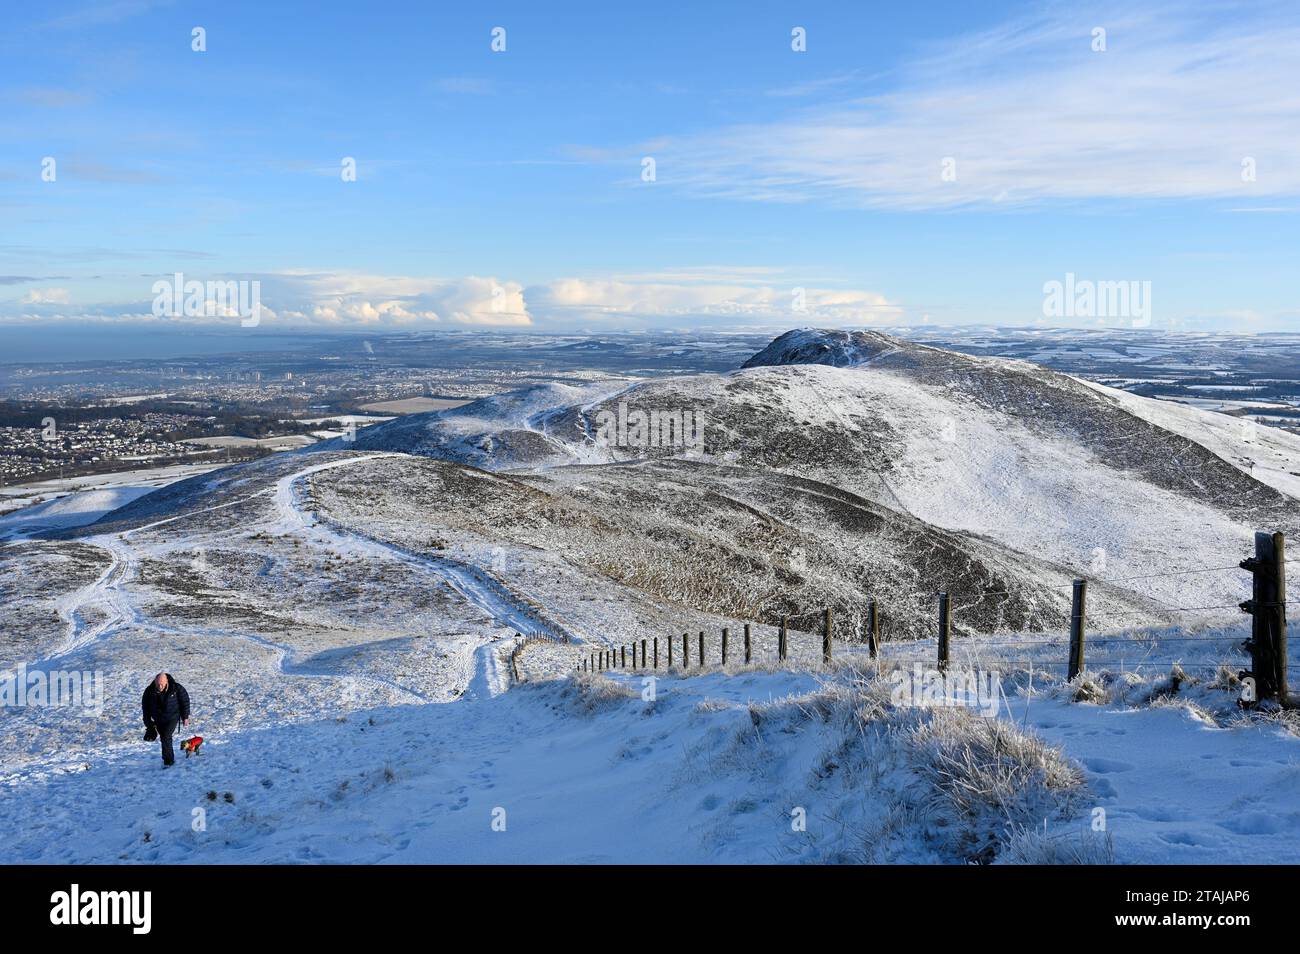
x: 715, y: 769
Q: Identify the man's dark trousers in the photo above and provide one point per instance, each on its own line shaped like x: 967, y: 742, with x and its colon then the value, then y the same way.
x: 165, y: 732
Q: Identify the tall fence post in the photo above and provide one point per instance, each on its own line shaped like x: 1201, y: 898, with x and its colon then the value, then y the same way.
x: 826, y: 637
x: 643, y: 666
x: 1078, y: 613
x: 1267, y: 607
x: 724, y: 645
x: 670, y: 652
x: 1279, y: 617
x: 686, y: 650
x: 746, y: 644
x: 656, y: 649
x: 873, y: 630
x: 945, y: 627
x: 781, y: 638
x: 624, y: 654
x: 701, y: 647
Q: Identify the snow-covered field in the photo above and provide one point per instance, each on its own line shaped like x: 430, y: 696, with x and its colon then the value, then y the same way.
x: 344, y: 617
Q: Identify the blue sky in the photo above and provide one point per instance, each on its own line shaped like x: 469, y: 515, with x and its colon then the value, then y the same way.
x: 505, y: 189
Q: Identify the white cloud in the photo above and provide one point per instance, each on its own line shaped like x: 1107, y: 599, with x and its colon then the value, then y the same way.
x: 747, y: 296
x: 45, y: 296
x: 739, y: 295
x: 1030, y: 112
x: 356, y: 300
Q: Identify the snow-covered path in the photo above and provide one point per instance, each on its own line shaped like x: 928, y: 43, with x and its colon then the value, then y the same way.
x: 108, y: 597
x: 533, y: 775
x: 472, y: 583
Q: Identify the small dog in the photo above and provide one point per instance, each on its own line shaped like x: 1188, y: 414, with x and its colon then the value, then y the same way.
x: 191, y: 746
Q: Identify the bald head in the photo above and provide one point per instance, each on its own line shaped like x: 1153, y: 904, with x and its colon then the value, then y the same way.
x: 160, y: 681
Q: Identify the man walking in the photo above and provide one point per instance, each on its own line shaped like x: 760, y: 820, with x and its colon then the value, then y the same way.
x: 165, y: 703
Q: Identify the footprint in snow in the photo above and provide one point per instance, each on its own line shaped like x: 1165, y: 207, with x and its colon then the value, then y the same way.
x: 1256, y: 823
x: 1106, y: 766
x: 1155, y: 814
x: 1183, y: 838
x: 1103, y: 788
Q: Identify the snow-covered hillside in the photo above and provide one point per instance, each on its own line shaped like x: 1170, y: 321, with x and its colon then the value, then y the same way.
x: 1093, y: 481
x: 345, y: 619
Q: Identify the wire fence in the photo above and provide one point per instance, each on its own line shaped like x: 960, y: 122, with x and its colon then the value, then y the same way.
x: 693, y: 652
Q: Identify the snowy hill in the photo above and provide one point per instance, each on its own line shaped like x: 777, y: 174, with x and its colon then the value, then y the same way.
x: 346, y: 620
x: 1088, y: 479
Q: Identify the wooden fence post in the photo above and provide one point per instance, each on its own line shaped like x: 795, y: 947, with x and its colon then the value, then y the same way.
x: 724, y: 645
x: 746, y: 644
x: 826, y: 637
x: 1268, y: 615
x: 781, y: 638
x: 670, y: 652
x: 643, y: 666
x: 873, y: 630
x: 945, y: 626
x: 656, y: 648
x: 686, y: 650
x: 701, y: 647
x: 1078, y: 612
x: 623, y: 664
x: 1279, y: 617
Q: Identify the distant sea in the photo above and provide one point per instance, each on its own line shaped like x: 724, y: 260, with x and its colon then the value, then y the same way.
x: 27, y: 344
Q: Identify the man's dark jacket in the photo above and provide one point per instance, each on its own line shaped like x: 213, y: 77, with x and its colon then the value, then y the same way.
x: 165, y: 708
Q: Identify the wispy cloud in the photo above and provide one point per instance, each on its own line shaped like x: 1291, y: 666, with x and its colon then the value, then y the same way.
x: 1176, y: 106
x: 97, y: 14
x: 53, y: 98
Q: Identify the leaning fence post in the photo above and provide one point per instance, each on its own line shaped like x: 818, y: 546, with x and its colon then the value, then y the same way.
x: 724, y: 645
x: 746, y: 644
x: 826, y: 637
x: 1078, y: 608
x: 873, y: 630
x: 781, y: 639
x: 945, y: 625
